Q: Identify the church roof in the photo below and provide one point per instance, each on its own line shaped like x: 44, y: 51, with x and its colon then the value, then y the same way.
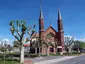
x: 35, y: 35
x: 51, y: 28
x: 26, y: 45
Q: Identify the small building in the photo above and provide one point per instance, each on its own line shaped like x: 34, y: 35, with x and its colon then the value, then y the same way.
x: 27, y: 48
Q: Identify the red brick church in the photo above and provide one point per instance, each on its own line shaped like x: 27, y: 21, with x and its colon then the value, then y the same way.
x: 57, y: 35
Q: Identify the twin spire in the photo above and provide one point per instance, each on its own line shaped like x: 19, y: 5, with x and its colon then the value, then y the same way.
x: 41, y: 14
x: 59, y: 15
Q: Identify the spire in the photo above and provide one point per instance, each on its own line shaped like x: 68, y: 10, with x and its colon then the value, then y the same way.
x: 59, y: 15
x: 50, y: 24
x: 41, y: 14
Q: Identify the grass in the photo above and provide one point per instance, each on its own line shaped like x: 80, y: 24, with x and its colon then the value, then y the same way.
x: 65, y: 54
x: 9, y: 62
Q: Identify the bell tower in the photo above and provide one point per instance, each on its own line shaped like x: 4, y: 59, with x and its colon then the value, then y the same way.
x: 41, y: 24
x: 60, y: 32
x: 41, y: 30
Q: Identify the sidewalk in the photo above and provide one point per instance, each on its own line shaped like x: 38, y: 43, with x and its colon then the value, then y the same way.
x: 38, y: 59
x: 55, y: 60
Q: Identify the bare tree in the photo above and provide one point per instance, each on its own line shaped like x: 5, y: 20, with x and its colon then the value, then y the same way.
x: 47, y: 42
x: 69, y: 42
x: 22, y: 33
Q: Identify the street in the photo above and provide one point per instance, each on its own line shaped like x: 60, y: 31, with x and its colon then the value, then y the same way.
x: 59, y: 60
x: 76, y: 60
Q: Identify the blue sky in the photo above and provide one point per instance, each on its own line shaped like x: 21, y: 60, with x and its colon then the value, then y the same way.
x: 72, y: 11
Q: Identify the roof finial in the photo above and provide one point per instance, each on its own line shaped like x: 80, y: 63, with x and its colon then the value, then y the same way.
x: 49, y: 23
x: 40, y: 3
x: 41, y: 13
x: 59, y: 15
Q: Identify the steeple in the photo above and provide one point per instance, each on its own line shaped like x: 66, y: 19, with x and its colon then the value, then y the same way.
x: 60, y: 25
x: 41, y: 14
x: 41, y: 19
x: 60, y: 32
x: 59, y: 15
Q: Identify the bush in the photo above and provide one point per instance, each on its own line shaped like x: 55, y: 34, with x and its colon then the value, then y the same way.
x: 44, y: 55
x: 33, y: 55
x: 11, y: 55
x: 73, y: 53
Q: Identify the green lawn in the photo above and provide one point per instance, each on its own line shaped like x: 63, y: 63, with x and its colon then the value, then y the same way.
x: 8, y: 62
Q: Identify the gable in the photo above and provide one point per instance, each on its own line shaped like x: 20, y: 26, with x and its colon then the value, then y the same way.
x: 51, y: 30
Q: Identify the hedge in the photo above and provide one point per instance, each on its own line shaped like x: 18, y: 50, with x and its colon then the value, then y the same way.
x: 18, y: 55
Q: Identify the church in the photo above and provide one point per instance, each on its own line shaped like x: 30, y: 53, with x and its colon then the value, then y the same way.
x: 57, y: 38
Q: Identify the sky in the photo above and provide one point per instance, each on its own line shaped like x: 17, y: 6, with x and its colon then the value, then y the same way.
x: 72, y: 12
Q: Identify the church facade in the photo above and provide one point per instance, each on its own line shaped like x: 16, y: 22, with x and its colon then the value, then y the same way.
x: 56, y: 39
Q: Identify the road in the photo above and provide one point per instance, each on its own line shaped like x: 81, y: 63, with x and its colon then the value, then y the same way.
x: 59, y: 60
x: 76, y: 60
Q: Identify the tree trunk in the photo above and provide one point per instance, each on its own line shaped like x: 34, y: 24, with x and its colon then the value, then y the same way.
x: 78, y: 50
x: 22, y: 55
x: 47, y: 51
x: 69, y: 49
x: 35, y: 50
x: 39, y: 52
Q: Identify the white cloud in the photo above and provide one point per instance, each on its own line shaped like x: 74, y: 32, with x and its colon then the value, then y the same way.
x: 81, y: 39
x: 0, y: 42
x: 6, y: 40
x: 70, y: 37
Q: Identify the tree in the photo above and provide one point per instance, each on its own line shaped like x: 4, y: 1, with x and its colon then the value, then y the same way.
x: 22, y: 33
x: 76, y: 46
x: 3, y: 46
x: 47, y: 42
x: 16, y: 44
x: 82, y: 45
x: 69, y: 42
x: 34, y: 46
x: 9, y: 48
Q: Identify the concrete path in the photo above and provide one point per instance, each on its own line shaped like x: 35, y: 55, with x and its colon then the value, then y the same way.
x: 47, y: 60
x: 38, y: 59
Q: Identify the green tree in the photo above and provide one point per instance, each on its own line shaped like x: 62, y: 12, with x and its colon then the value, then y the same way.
x: 82, y: 45
x: 16, y: 44
x: 22, y: 33
x: 9, y: 47
x: 77, y: 45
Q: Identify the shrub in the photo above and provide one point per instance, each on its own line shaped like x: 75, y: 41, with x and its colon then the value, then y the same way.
x: 44, y: 55
x: 33, y: 55
x: 11, y: 55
